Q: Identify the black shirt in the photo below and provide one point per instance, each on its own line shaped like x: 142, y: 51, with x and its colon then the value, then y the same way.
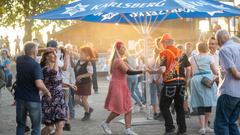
x: 183, y: 63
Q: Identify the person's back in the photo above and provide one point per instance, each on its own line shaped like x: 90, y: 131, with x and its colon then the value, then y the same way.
x: 203, y: 63
x: 230, y: 49
x: 26, y: 88
x: 227, y: 110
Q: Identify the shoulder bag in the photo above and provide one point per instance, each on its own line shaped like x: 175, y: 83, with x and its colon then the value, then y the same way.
x: 205, y: 80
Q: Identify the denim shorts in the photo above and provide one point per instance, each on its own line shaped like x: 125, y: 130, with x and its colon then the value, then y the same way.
x: 155, y: 90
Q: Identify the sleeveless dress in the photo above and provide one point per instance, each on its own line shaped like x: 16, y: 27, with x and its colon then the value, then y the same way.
x: 55, y: 109
x: 201, y: 96
x: 85, y: 84
x: 119, y: 97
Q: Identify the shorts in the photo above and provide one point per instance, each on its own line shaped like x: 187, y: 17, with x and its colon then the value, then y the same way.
x: 203, y: 110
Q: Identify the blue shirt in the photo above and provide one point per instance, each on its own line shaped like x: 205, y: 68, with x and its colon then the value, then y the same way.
x: 230, y: 57
x: 28, y: 71
x: 4, y: 64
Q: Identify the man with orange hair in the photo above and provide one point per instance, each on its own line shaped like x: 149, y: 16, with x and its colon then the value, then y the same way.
x: 175, y: 80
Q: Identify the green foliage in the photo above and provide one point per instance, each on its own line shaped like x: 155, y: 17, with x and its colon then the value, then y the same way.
x: 16, y: 12
x: 19, y: 12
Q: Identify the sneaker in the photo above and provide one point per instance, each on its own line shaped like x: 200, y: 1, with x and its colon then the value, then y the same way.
x: 106, y: 128
x: 67, y: 127
x: 202, y: 131
x: 170, y: 132
x: 129, y: 132
x: 27, y: 129
x: 209, y: 130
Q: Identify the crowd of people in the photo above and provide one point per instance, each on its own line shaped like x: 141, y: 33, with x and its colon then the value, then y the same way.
x: 48, y: 83
x: 5, y: 43
x: 51, y: 80
x: 180, y: 77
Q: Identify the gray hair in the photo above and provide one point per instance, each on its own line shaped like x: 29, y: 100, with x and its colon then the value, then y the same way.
x: 30, y: 48
x: 221, y: 34
x: 236, y: 39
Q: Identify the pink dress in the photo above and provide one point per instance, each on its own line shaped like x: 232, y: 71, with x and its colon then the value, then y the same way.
x: 119, y: 97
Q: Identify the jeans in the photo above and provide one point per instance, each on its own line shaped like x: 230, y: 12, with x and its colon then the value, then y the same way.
x: 143, y: 88
x: 71, y: 103
x: 34, y: 110
x: 132, y: 85
x: 168, y: 94
x: 154, y: 93
x: 94, y: 77
x: 227, y: 113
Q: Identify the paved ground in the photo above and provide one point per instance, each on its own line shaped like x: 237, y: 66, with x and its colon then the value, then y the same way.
x: 7, y: 118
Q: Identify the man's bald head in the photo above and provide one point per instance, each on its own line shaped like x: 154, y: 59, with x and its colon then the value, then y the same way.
x: 222, y: 36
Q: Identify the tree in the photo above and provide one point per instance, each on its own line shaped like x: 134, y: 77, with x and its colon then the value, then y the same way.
x: 19, y: 13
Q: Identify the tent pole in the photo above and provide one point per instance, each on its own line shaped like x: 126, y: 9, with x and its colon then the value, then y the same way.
x: 146, y: 47
x: 229, y: 29
x: 154, y: 25
x: 131, y: 23
x: 234, y: 19
x: 145, y: 33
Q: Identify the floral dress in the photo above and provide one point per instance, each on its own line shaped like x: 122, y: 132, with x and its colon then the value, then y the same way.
x: 54, y: 109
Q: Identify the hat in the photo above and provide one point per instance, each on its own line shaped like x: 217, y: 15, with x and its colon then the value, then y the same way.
x: 165, y: 37
x: 52, y: 43
x: 118, y: 44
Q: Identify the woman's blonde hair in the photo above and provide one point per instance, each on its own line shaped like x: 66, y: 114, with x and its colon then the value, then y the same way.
x: 202, y: 47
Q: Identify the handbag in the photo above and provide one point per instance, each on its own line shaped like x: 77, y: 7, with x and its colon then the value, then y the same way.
x: 205, y: 80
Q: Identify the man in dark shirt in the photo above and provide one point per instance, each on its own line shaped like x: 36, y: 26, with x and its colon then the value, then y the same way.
x: 174, y: 79
x: 29, y: 82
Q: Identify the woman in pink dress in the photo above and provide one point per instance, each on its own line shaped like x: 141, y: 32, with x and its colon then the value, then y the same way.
x: 118, y: 100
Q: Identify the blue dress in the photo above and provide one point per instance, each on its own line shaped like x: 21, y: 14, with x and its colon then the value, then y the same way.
x: 55, y: 109
x: 201, y: 96
x: 8, y: 74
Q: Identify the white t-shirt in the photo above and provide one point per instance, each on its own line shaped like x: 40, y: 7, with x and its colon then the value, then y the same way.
x: 216, y: 59
x: 154, y: 65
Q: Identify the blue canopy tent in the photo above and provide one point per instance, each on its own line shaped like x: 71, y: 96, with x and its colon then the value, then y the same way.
x: 150, y: 13
x: 143, y: 15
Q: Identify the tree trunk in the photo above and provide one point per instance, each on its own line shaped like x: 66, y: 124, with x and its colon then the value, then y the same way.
x: 28, y: 24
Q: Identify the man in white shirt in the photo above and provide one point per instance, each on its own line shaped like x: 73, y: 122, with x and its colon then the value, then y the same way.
x: 213, y: 51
